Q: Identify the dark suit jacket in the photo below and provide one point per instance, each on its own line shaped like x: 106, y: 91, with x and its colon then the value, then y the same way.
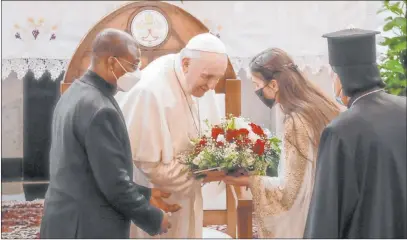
x: 91, y: 193
x: 360, y: 186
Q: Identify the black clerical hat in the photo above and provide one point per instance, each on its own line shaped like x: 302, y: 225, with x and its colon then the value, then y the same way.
x: 351, y: 47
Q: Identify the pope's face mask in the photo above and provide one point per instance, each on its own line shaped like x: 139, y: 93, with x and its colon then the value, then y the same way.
x: 129, y: 79
x: 268, y: 102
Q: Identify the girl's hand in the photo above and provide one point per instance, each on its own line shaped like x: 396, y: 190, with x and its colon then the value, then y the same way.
x: 237, y: 181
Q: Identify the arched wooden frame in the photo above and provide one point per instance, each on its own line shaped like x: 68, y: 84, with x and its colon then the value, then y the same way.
x: 238, y: 214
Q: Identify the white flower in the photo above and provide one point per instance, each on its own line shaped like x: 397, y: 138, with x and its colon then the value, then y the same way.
x: 230, y: 151
x: 220, y: 138
x: 241, y: 123
x: 207, y: 133
x: 250, y: 161
x: 267, y: 132
x: 233, y: 146
x: 198, y: 159
x: 253, y: 137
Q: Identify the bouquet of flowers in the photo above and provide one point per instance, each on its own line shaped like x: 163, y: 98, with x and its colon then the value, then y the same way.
x: 234, y: 145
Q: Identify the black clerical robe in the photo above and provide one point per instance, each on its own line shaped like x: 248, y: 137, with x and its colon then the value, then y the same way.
x: 360, y: 186
x: 91, y: 193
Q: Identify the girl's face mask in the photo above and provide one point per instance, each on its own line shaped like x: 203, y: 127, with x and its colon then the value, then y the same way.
x: 268, y: 102
x: 261, y: 87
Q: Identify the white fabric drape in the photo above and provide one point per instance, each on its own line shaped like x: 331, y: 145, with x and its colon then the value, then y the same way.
x: 246, y: 27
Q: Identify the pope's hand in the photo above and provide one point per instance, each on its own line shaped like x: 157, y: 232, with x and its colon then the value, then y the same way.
x: 157, y: 201
x: 237, y: 181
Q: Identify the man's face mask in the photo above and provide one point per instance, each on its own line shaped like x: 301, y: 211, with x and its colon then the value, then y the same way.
x: 268, y: 102
x: 129, y: 79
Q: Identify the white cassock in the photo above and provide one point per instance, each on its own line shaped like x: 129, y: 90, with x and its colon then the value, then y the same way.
x: 161, y: 119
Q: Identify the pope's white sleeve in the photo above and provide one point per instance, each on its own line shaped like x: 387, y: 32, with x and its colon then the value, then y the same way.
x: 151, y: 146
x: 172, y: 177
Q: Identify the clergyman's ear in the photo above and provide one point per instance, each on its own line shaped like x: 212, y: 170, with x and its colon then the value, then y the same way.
x: 110, y: 62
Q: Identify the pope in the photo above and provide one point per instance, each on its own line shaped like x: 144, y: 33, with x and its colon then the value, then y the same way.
x: 163, y: 112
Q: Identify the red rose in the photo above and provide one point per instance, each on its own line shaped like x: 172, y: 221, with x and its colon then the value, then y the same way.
x: 239, y: 143
x: 246, y: 141
x: 220, y: 144
x: 259, y: 147
x: 216, y: 131
x: 203, y: 142
x: 231, y: 134
x: 243, y: 142
x: 243, y: 132
x: 257, y: 129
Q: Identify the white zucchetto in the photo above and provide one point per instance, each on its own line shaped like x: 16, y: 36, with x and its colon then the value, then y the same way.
x: 206, y: 42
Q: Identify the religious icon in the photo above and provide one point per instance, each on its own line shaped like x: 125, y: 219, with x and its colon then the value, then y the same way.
x: 149, y: 28
x: 149, y: 21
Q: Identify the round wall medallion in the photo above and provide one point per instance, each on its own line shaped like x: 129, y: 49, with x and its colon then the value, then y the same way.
x: 149, y: 28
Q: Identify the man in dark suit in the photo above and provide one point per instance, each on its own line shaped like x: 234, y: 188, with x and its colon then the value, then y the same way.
x: 360, y: 186
x: 91, y: 193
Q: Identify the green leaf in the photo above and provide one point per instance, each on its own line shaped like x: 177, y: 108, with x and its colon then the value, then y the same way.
x: 395, y: 8
x: 387, y: 41
x: 394, y: 66
x: 400, y: 22
x: 388, y: 18
x: 388, y: 26
x: 232, y: 124
x: 400, y: 46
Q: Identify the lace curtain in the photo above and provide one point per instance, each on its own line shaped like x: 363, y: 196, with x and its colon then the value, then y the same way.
x: 56, y: 66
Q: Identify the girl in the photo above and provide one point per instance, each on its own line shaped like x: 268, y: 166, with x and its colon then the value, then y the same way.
x: 281, y: 203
